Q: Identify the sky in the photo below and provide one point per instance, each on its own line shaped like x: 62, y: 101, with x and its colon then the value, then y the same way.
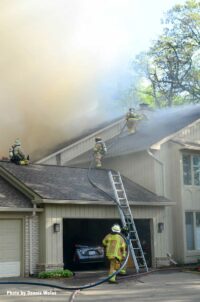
x: 61, y: 62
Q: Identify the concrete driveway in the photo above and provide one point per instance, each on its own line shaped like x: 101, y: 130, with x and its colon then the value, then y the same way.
x: 163, y: 286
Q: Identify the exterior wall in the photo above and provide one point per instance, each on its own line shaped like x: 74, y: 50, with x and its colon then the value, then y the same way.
x: 186, y: 197
x: 26, y: 243
x: 55, y: 214
x: 139, y: 167
x: 74, y: 150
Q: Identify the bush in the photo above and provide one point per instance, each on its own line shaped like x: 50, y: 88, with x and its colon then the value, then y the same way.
x: 56, y: 274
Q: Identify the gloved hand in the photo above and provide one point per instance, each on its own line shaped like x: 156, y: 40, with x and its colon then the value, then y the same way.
x: 125, y: 231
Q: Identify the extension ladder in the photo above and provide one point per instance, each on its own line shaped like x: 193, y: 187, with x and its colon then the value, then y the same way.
x: 136, y: 251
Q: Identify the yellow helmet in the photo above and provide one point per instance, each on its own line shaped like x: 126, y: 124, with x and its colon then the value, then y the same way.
x: 116, y: 228
x: 17, y: 142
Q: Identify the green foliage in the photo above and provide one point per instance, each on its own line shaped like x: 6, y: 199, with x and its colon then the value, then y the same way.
x: 55, y: 274
x: 171, y: 66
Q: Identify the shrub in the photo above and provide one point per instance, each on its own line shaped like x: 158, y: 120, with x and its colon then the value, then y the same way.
x: 56, y: 274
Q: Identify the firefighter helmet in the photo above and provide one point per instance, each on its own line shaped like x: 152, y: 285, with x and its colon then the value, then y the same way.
x: 98, y: 139
x: 17, y: 142
x: 116, y: 228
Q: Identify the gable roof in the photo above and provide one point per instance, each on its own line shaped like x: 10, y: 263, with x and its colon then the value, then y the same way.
x: 160, y: 124
x: 64, y: 183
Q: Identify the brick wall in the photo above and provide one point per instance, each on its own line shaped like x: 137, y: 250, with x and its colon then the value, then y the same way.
x: 34, y: 244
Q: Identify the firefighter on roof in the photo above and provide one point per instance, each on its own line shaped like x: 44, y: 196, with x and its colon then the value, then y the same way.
x: 115, y: 250
x: 131, y: 119
x: 99, y: 151
x: 16, y: 154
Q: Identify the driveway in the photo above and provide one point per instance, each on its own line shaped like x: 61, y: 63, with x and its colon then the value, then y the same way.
x: 163, y: 286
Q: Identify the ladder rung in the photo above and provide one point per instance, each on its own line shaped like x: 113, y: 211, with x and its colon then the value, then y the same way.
x: 128, y: 221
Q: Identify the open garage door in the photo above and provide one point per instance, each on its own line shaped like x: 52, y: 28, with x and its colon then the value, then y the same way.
x: 10, y: 247
x: 91, y: 232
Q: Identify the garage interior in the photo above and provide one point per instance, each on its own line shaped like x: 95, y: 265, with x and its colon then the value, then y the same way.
x: 92, y: 232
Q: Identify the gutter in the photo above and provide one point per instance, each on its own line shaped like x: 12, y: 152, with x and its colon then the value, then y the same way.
x: 12, y: 209
x: 107, y: 203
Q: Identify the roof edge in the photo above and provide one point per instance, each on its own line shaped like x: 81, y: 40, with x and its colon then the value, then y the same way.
x: 157, y: 145
x: 40, y: 161
x: 13, y: 209
x: 108, y: 203
x: 19, y: 185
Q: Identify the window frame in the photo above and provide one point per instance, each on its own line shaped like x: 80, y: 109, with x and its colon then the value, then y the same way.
x: 191, y: 167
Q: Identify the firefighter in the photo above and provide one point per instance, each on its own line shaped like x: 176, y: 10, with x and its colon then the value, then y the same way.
x: 99, y: 151
x: 115, y: 246
x: 131, y: 118
x: 16, y: 154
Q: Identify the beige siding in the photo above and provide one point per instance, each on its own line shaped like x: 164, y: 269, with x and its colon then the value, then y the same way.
x: 139, y: 167
x: 186, y: 197
x: 56, y: 213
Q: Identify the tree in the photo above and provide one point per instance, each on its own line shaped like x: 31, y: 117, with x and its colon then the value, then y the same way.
x: 171, y: 66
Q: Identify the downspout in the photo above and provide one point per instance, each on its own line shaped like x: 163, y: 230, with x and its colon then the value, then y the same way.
x: 162, y: 168
x: 31, y: 241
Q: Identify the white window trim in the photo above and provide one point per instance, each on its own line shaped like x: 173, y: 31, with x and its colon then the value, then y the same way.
x: 192, y: 170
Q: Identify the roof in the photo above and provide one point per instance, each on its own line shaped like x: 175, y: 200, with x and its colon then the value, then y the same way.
x: 160, y: 124
x: 11, y: 197
x: 66, y: 183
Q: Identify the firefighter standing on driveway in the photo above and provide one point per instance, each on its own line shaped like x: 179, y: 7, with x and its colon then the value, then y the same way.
x: 131, y: 118
x: 115, y: 251
x: 99, y: 151
x: 16, y: 154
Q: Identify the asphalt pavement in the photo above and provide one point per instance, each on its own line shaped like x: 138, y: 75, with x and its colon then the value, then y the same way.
x: 173, y: 286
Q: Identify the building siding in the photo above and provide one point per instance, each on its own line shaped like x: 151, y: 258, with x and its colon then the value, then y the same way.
x: 139, y: 167
x: 56, y: 213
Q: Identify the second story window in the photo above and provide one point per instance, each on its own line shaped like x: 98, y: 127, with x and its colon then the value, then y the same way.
x: 191, y: 169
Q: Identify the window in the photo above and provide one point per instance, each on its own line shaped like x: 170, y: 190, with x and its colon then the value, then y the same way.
x: 189, y: 230
x: 191, y: 169
x: 192, y: 222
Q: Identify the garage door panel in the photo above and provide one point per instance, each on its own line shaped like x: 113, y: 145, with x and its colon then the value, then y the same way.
x: 9, y: 269
x: 10, y: 247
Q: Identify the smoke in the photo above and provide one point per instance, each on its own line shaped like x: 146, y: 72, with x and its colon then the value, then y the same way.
x: 53, y: 58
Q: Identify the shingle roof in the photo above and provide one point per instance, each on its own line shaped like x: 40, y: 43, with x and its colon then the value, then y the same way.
x: 159, y: 125
x: 64, y: 183
x: 11, y: 197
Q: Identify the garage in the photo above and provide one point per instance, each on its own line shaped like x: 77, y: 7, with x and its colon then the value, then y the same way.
x: 91, y: 232
x: 10, y: 247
